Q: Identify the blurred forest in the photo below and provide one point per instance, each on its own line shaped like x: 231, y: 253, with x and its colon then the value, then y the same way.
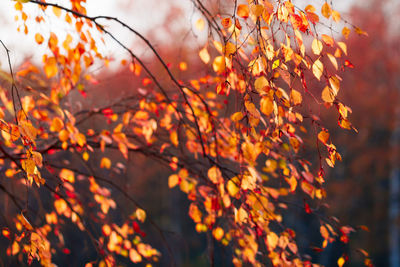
x: 358, y: 188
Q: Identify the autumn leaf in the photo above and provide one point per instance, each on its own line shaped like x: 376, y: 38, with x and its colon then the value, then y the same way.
x: 243, y: 11
x: 316, y: 46
x: 204, y: 56
x: 318, y: 69
x: 326, y: 10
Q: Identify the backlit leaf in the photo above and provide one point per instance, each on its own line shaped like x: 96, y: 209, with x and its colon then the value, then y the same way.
x: 326, y: 10
x: 316, y: 46
x: 243, y: 11
x: 318, y: 69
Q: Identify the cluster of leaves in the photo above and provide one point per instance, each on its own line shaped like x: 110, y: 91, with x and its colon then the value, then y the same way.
x: 233, y: 136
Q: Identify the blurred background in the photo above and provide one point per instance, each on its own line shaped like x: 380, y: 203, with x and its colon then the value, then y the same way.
x: 363, y: 189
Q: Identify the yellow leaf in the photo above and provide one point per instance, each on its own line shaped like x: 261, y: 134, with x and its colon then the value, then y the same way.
x: 335, y: 84
x: 333, y: 60
x: 14, y: 248
x: 28, y: 130
x: 346, y: 32
x: 275, y: 64
x: 272, y: 241
x: 328, y: 95
x: 328, y: 40
x: 326, y: 10
x: 243, y: 11
x: 67, y: 175
x: 200, y: 24
x: 37, y: 158
x: 219, y: 64
x: 204, y: 55
x: 173, y: 136
x: 218, y: 233
x: 237, y: 116
x: 342, y: 46
x: 257, y: 10
x: 232, y: 188
x: 241, y: 215
x: 57, y: 11
x: 23, y: 1
x: 266, y: 106
x: 80, y: 139
x: 134, y: 256
x: 316, y: 46
x: 105, y: 163
x: 29, y: 166
x: 50, y: 67
x: 85, y: 156
x: 260, y: 83
x: 173, y: 180
x: 195, y: 213
x: 56, y: 125
x: 341, y: 262
x: 63, y: 135
x: 295, y: 97
x: 25, y: 222
x: 360, y: 32
x: 318, y: 69
x: 335, y: 16
x: 215, y: 175
x: 141, y: 215
x: 229, y: 49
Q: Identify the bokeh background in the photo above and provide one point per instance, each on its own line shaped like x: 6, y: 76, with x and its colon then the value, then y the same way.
x: 363, y: 190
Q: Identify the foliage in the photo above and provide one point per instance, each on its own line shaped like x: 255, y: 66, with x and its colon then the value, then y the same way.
x: 233, y: 136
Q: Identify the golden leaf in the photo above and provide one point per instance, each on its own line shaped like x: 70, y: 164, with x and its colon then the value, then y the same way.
x: 316, y: 46
x: 317, y: 69
x: 333, y: 60
x: 257, y: 10
x: 204, y: 55
x: 141, y: 215
x: 134, y: 256
x: 326, y: 10
x: 215, y: 175
x: 335, y: 84
x: 266, y: 105
x: 37, y: 158
x: 343, y: 46
x: 340, y: 262
x: 200, y: 24
x: 67, y: 175
x: 328, y: 40
x: 296, y: 97
x: 335, y: 16
x: 105, y: 163
x: 218, y: 233
x: 260, y: 83
x: 323, y: 136
x: 173, y: 180
x: 328, y: 95
x: 346, y: 32
x: 56, y: 125
x: 232, y: 188
x: 219, y: 64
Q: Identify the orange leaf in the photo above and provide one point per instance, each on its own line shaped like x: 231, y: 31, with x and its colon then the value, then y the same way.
x: 326, y: 10
x: 243, y: 11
